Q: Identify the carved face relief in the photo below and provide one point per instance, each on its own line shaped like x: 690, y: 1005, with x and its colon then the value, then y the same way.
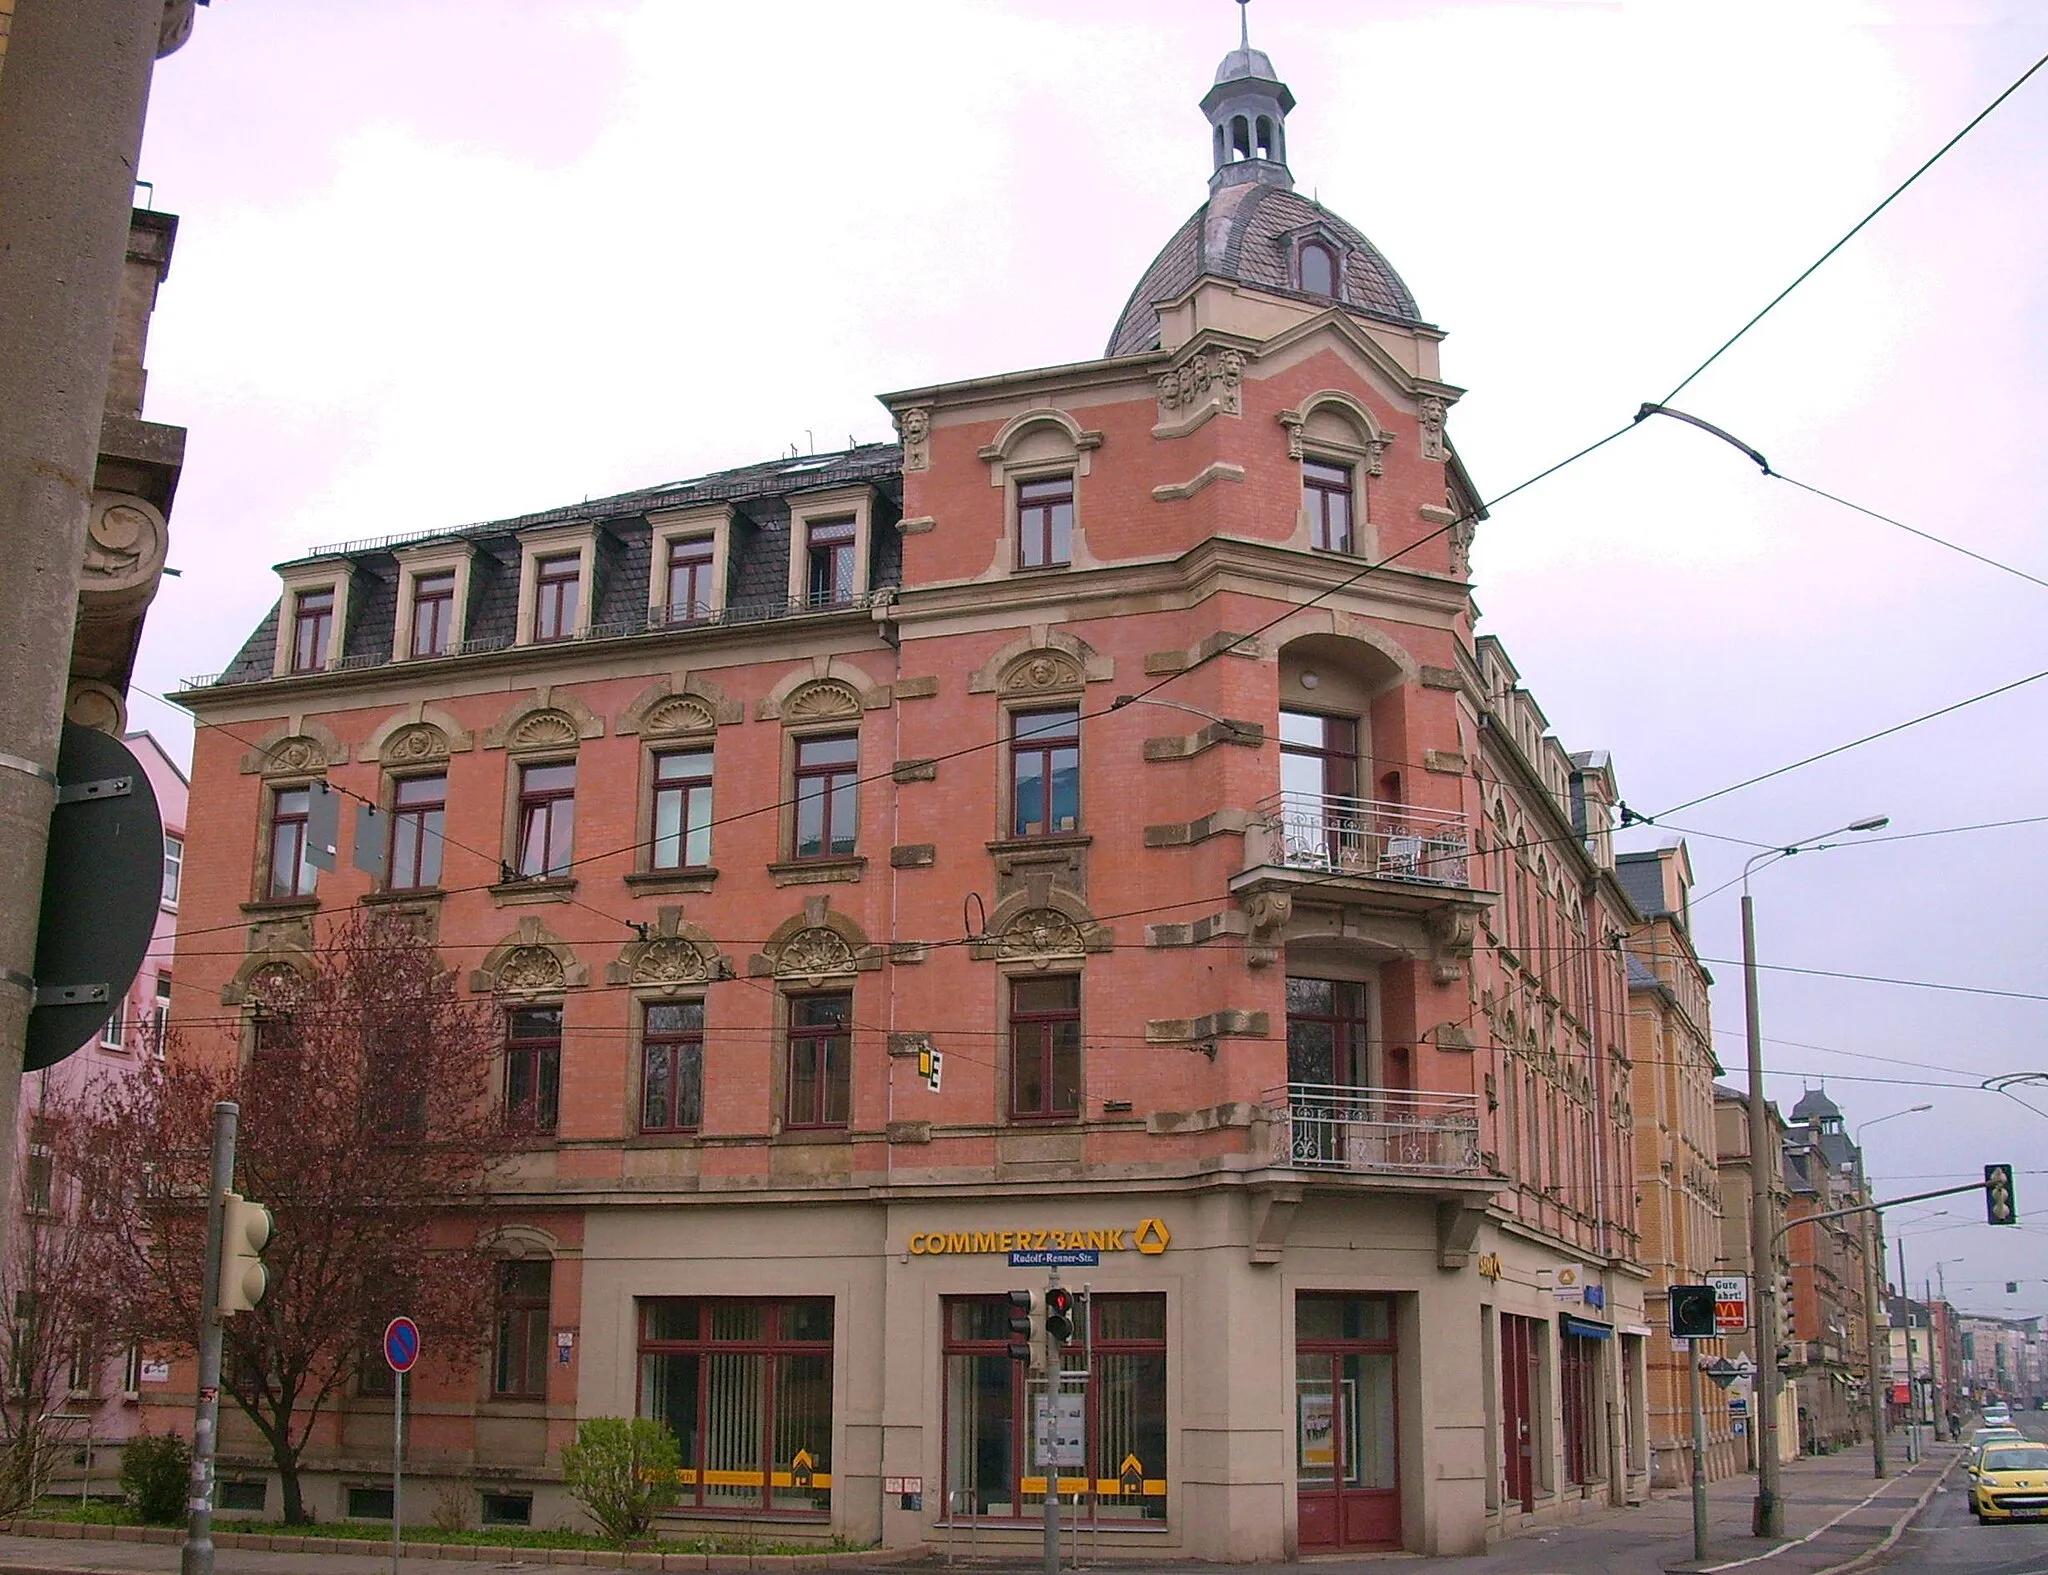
x: 1044, y: 671
x: 1041, y: 932
x: 296, y: 757
x: 914, y: 426
x: 420, y: 741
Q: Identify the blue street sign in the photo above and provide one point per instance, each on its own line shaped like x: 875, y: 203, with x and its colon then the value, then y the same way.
x: 1057, y: 1258
x: 401, y: 1344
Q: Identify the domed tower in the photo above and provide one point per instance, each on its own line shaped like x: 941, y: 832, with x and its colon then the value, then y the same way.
x: 1256, y: 229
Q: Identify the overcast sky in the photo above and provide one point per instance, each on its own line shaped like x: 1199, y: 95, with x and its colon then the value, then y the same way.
x: 442, y: 262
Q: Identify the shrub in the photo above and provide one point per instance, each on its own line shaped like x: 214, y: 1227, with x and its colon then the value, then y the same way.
x: 155, y: 1471
x: 622, y: 1470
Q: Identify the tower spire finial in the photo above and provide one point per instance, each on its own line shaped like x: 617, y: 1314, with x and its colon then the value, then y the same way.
x: 1244, y: 24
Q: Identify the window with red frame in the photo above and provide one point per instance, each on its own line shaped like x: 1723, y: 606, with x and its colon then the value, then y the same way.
x: 1045, y: 1048
x: 672, y: 1087
x: 1327, y: 491
x: 689, y: 579
x: 418, y: 805
x: 1045, y: 772
x: 520, y: 1371
x: 829, y: 562
x: 827, y: 795
x: 533, y: 1066
x: 682, y: 810
x: 820, y: 1063
x: 433, y: 613
x: 557, y: 583
x: 290, y: 875
x: 312, y: 629
x: 547, y: 819
x: 1045, y: 523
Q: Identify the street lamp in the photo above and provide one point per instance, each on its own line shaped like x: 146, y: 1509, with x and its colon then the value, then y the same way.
x: 1879, y: 1362
x: 1768, y: 1519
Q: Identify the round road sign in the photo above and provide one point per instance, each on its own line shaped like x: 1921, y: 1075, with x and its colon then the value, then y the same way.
x: 401, y: 1344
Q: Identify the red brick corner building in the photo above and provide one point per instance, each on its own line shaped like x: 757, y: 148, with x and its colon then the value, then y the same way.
x: 1088, y: 833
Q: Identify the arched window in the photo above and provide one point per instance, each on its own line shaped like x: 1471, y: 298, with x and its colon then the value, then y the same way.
x: 1222, y: 151
x: 1265, y: 142
x: 1318, y: 269
x: 1240, y: 139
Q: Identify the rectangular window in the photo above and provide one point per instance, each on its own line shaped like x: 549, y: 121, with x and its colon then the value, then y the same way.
x: 820, y: 1060
x: 369, y: 1503
x: 520, y: 1371
x: 290, y: 874
x: 1327, y: 827
x: 174, y: 869
x: 533, y: 1065
x: 1045, y: 772
x: 433, y: 613
x: 672, y: 1057
x: 989, y: 1415
x: 1045, y: 1048
x: 374, y: 1377
x: 827, y: 794
x: 547, y: 819
x: 312, y: 628
x: 114, y: 1032
x: 829, y: 563
x: 507, y: 1509
x: 160, y: 1014
x: 243, y: 1493
x: 417, y: 807
x: 689, y: 579
x: 1045, y: 523
x: 39, y: 1182
x: 557, y: 582
x: 682, y: 810
x: 1326, y: 489
x: 746, y: 1387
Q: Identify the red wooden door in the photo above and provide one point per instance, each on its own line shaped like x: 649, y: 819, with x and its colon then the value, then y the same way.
x: 1347, y: 1463
x: 1518, y: 1409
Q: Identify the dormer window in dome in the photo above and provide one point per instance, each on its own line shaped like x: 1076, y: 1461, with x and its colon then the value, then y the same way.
x: 1317, y: 269
x: 1316, y: 257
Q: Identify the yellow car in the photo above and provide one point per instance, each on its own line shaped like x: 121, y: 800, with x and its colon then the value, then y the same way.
x: 2010, y: 1482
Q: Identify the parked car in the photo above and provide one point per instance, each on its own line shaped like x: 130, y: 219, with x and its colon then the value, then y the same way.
x: 2009, y: 1481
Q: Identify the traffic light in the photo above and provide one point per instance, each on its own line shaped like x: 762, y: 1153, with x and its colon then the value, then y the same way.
x: 1021, y: 1333
x: 2000, y: 1206
x: 244, y: 1228
x: 1059, y: 1314
x: 1692, y: 1312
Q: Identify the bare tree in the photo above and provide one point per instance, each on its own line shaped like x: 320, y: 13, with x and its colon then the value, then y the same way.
x: 73, y: 1283
x: 367, y: 1128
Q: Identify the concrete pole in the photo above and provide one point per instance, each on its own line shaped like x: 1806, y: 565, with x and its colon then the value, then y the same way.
x: 1912, y: 1387
x: 1699, y: 1455
x: 73, y: 88
x: 1768, y: 1517
x: 196, y: 1558
x: 1880, y: 1367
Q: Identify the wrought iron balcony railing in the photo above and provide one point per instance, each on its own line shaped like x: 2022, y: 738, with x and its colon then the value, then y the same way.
x: 1392, y: 1131
x: 1366, y: 837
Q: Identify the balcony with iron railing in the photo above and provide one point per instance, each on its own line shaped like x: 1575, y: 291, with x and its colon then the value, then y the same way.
x: 1374, y: 1131
x: 1324, y: 833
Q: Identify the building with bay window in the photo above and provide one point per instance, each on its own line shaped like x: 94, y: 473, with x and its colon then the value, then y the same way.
x: 1087, y: 833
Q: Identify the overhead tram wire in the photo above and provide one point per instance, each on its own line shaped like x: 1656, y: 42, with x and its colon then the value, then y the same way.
x: 1815, y: 266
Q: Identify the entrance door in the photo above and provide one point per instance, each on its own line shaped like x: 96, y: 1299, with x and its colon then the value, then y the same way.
x: 1518, y: 1338
x: 1347, y: 1457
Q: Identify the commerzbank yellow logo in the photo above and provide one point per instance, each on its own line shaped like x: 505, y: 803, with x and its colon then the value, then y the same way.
x: 1053, y: 1245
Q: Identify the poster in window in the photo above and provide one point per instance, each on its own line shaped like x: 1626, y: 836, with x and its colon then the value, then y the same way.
x: 1318, y: 1421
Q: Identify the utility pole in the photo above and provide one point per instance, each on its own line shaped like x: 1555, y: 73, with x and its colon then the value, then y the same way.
x: 1768, y: 1517
x: 1912, y: 1383
x: 1699, y: 1456
x: 1880, y: 1368
x: 71, y: 107
x: 197, y: 1557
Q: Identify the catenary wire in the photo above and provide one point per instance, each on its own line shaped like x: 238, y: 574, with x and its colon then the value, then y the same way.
x: 1910, y: 530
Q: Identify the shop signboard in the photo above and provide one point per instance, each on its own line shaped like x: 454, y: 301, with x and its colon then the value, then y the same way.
x: 1731, y: 1302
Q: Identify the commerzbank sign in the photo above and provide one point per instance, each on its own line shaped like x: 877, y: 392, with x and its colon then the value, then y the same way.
x: 1051, y: 1248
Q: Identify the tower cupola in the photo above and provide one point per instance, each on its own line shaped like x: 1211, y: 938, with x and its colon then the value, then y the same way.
x: 1247, y: 109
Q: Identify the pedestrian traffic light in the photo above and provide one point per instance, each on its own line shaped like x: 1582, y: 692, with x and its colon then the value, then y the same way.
x: 2000, y: 1206
x: 1059, y: 1314
x: 244, y: 1229
x: 1692, y: 1312
x: 1022, y: 1335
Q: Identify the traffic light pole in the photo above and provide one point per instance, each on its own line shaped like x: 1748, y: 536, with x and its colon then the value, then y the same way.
x: 197, y: 1557
x: 1052, y: 1443
x: 1699, y: 1457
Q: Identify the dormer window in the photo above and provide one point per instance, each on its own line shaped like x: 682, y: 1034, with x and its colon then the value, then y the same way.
x: 558, y: 583
x: 829, y: 560
x: 1318, y: 268
x: 690, y: 560
x: 433, y: 613
x: 831, y: 548
x: 312, y: 629
x: 433, y: 600
x: 557, y: 579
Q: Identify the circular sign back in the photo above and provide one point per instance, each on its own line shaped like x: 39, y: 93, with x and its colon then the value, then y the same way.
x: 401, y: 1344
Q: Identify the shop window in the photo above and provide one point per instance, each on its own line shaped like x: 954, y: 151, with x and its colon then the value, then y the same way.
x: 826, y: 790
x: 312, y: 629
x: 690, y: 560
x: 989, y: 1416
x: 1326, y: 489
x: 533, y: 1066
x: 433, y: 613
x: 1045, y: 1048
x: 682, y: 810
x: 558, y: 585
x: 829, y: 562
x: 290, y: 874
x: 819, y: 1072
x: 418, y: 807
x: 547, y: 819
x: 1045, y: 522
x: 520, y: 1368
x: 1045, y: 772
x: 672, y: 1054
x: 174, y: 869
x: 746, y: 1387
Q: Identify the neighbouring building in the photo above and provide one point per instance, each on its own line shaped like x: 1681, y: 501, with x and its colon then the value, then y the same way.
x: 1678, y: 1191
x: 1828, y: 1332
x: 2000, y: 1359
x: 1122, y: 736
x: 1731, y: 1162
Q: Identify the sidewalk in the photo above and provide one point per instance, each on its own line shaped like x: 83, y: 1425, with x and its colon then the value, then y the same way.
x: 1838, y: 1517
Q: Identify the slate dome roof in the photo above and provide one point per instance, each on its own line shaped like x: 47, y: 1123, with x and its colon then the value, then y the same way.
x: 1814, y: 1105
x: 1237, y: 234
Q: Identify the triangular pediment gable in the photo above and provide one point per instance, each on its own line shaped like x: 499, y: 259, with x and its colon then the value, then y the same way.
x: 1337, y: 329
